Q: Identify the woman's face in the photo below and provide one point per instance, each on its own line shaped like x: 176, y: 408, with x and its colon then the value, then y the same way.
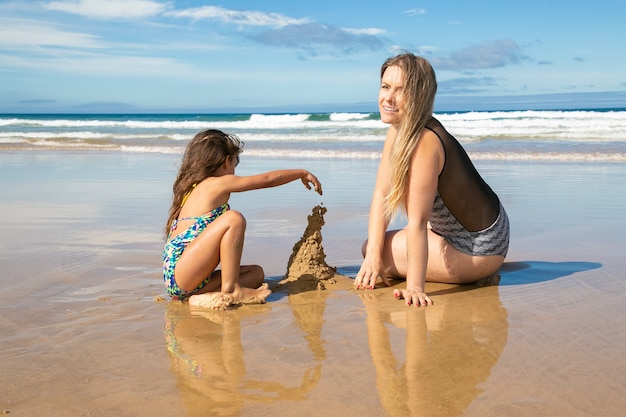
x: 390, y: 96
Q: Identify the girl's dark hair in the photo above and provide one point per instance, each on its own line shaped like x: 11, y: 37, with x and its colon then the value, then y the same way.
x: 204, y: 154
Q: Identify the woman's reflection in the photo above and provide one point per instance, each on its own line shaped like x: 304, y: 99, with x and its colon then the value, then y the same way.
x: 449, y: 349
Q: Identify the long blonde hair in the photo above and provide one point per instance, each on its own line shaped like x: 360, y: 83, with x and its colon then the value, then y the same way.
x: 420, y: 87
x: 204, y: 154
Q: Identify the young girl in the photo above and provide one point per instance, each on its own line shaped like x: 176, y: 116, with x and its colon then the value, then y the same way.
x: 202, y: 231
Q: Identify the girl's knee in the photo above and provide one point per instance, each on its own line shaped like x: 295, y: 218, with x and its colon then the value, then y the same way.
x: 235, y: 219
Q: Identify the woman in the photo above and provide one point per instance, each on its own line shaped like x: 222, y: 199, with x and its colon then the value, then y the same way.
x: 457, y: 230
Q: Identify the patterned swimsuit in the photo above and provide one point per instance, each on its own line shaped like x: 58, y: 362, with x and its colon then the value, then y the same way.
x: 464, y: 203
x: 175, y: 247
x: 494, y: 240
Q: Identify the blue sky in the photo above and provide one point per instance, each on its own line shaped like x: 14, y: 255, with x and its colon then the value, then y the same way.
x: 161, y: 56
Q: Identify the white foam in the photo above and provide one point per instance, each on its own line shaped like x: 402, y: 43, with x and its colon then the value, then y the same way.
x: 552, y: 135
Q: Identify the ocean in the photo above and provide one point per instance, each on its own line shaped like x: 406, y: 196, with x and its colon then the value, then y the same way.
x: 568, y: 135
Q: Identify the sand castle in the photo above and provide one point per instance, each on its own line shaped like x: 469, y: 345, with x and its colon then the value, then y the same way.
x: 307, y: 268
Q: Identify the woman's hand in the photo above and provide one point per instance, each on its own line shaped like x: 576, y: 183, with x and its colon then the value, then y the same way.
x: 308, y: 179
x: 415, y: 296
x: 371, y: 270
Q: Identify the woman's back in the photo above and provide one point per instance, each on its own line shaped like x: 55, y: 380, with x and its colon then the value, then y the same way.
x: 468, y: 197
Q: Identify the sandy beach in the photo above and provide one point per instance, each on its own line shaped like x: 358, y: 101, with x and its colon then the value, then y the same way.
x: 87, y: 328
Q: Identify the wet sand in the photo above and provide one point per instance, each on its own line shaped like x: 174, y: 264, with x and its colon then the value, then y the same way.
x: 87, y: 328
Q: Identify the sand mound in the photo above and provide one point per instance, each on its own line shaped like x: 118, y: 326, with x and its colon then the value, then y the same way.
x: 307, y: 268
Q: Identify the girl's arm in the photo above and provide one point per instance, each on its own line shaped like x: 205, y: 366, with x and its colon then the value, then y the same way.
x: 235, y: 183
x: 214, y: 191
x: 372, y: 266
x: 426, y: 164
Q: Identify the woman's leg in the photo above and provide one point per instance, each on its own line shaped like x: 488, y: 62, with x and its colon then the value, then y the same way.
x: 445, y: 263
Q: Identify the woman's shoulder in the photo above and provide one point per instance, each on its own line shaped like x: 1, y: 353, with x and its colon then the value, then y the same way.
x: 430, y: 148
x: 430, y: 139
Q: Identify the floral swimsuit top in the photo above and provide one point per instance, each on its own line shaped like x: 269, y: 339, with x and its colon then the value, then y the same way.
x: 203, y: 219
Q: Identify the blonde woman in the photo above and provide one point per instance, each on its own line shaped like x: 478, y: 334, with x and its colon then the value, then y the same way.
x: 457, y: 229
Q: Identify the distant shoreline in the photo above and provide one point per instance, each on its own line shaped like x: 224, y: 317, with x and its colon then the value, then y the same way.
x: 596, y: 101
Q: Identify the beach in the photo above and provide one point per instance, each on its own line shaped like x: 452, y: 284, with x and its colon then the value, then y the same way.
x: 87, y: 327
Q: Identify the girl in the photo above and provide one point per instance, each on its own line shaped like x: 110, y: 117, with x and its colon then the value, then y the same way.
x: 457, y: 229
x: 202, y: 231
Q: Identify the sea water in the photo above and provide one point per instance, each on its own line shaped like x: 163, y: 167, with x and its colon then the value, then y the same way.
x: 568, y: 135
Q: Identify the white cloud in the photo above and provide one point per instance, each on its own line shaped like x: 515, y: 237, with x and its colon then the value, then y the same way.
x: 31, y: 33
x: 102, y: 65
x: 415, y: 12
x: 108, y: 9
x: 366, y: 31
x: 315, y: 38
x: 492, y: 54
x: 244, y: 18
x: 278, y: 29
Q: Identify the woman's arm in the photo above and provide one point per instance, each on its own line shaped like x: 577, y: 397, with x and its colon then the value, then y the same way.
x: 426, y: 164
x: 372, y: 266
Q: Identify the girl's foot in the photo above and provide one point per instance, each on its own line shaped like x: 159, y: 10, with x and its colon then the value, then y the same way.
x: 244, y: 295
x: 213, y: 300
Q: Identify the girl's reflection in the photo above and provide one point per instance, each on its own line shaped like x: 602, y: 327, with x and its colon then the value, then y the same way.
x: 427, y: 361
x: 208, y: 360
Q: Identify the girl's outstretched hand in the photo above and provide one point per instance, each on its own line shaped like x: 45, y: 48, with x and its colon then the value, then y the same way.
x: 309, y: 179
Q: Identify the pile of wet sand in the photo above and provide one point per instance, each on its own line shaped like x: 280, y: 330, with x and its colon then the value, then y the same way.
x: 307, y: 268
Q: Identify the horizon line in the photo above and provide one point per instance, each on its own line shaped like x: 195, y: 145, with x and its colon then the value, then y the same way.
x: 443, y: 103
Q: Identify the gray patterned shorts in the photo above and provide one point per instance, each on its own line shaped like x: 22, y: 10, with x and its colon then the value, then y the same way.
x: 493, y: 240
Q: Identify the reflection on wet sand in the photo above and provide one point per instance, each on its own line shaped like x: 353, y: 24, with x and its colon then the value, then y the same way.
x: 424, y: 361
x: 449, y: 349
x: 308, y: 311
x: 208, y: 359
